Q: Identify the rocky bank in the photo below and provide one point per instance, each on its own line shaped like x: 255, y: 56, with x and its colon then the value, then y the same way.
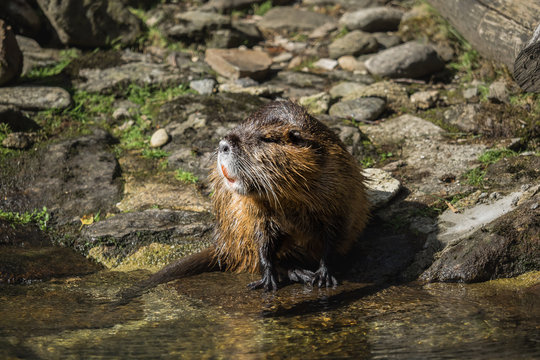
x: 108, y: 134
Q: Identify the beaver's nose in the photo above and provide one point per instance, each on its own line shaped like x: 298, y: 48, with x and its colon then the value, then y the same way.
x: 224, y: 147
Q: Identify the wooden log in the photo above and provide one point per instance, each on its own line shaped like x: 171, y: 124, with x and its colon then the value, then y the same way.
x: 527, y: 64
x: 497, y: 29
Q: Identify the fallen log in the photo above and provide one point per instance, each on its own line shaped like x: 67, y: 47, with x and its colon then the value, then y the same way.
x: 500, y: 30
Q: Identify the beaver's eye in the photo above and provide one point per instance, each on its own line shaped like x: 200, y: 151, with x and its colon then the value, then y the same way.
x: 269, y: 139
x: 294, y: 136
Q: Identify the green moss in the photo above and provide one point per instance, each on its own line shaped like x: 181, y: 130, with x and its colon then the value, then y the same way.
x: 186, y: 176
x: 155, y: 153
x: 38, y: 217
x: 261, y: 9
x: 475, y: 177
x: 494, y: 155
x: 66, y: 56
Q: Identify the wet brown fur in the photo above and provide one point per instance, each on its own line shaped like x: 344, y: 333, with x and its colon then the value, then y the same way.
x: 306, y: 184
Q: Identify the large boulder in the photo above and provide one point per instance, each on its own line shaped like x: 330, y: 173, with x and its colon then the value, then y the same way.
x: 92, y: 23
x: 11, y: 58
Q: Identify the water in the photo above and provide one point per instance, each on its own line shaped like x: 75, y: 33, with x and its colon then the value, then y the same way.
x: 213, y: 316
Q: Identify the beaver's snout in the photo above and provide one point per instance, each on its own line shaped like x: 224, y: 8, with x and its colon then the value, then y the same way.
x: 224, y: 147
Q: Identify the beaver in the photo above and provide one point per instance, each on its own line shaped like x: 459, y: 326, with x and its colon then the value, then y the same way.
x: 288, y: 198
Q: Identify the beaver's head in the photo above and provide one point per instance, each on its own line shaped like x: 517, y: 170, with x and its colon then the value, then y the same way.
x: 277, y: 152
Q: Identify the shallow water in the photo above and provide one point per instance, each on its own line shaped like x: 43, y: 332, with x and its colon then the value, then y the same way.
x: 213, y: 316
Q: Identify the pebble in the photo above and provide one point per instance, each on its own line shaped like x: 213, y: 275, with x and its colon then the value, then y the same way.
x: 372, y: 19
x: 203, y: 87
x: 316, y: 104
x: 353, y: 43
x: 17, y: 140
x: 350, y: 63
x: 362, y: 109
x: 325, y: 64
x: 498, y: 93
x: 424, y: 99
x: 159, y: 138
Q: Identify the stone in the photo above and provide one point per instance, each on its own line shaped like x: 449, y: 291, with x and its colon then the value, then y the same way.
x: 322, y: 30
x: 395, y: 94
x: 325, y: 64
x: 283, y: 57
x: 269, y: 91
x: 159, y: 138
x: 288, y: 19
x: 36, y: 56
x: 345, y: 88
x: 316, y: 104
x: 195, y: 25
x: 424, y: 99
x: 203, y: 87
x: 470, y: 92
x: 99, y: 23
x: 17, y: 140
x: 221, y: 6
x: 121, y: 114
x: 386, y: 40
x: 11, y: 57
x: 35, y: 97
x: 498, y: 92
x: 353, y: 43
x: 409, y: 60
x: 236, y: 63
x: 463, y: 116
x: 381, y: 187
x: 350, y: 63
x: 372, y: 19
x: 362, y: 109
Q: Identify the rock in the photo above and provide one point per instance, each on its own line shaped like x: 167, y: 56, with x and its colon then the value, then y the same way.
x: 16, y: 120
x: 424, y: 99
x: 322, y: 30
x: 470, y: 92
x: 498, y: 93
x: 353, y: 43
x: 227, y: 5
x: 395, y: 94
x: 77, y: 176
x: 11, y: 57
x: 36, y: 56
x: 345, y: 88
x: 188, y: 231
x: 372, y: 19
x: 349, y: 63
x: 386, y: 40
x: 236, y: 63
x: 316, y: 104
x: 363, y: 109
x: 269, y: 91
x: 381, y: 187
x: 325, y: 64
x: 283, y: 57
x: 35, y: 97
x: 488, y: 241
x: 288, y: 19
x: 409, y: 60
x: 465, y: 117
x: 195, y: 25
x: 99, y: 23
x: 17, y: 140
x: 203, y: 87
x: 159, y: 138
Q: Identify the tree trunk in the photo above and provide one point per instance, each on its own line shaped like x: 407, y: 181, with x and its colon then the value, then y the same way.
x: 498, y: 29
x: 527, y: 65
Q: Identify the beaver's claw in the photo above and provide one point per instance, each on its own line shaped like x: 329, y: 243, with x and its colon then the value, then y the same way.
x: 268, y: 282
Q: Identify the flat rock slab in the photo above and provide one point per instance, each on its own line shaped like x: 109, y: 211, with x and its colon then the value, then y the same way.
x: 353, y: 43
x: 372, y: 19
x: 236, y: 63
x: 362, y: 109
x: 409, y: 60
x: 35, y: 97
x: 345, y: 88
x: 285, y: 18
x: 193, y: 25
x: 381, y: 187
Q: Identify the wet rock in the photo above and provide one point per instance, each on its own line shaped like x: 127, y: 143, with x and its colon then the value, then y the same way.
x: 381, y: 187
x: 409, y: 60
x: 236, y: 63
x: 465, y: 117
x: 316, y: 104
x: 349, y: 63
x: 71, y: 178
x: 345, y: 88
x: 35, y: 97
x: 424, y: 99
x: 386, y: 40
x: 362, y: 109
x: 203, y: 87
x: 16, y: 120
x: 188, y: 231
x: 498, y: 93
x: 288, y: 19
x: 11, y: 57
x: 17, y: 140
x: 325, y: 64
x: 489, y: 241
x: 372, y: 19
x: 159, y: 138
x: 97, y: 24
x: 195, y: 25
x: 353, y: 43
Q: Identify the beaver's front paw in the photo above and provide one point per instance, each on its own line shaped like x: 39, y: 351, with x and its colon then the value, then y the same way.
x: 322, y: 278
x: 268, y: 282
